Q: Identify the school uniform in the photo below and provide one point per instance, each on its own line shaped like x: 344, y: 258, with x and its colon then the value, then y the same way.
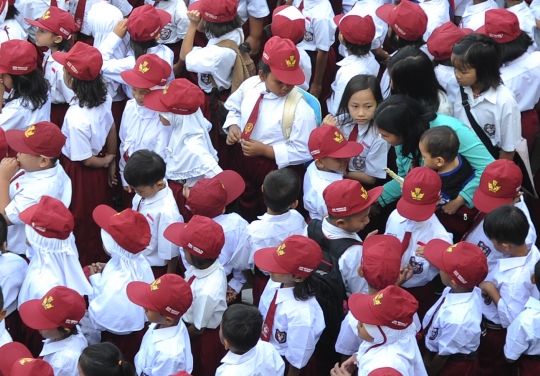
x: 17, y: 116
x: 473, y: 16
x: 164, y: 351
x: 446, y: 77
x: 59, y: 93
x: 63, y: 355
x: 534, y: 6
x: 123, y: 5
x: 10, y: 29
x: 26, y: 189
x: 297, y: 325
x: 261, y: 360
x: 315, y: 181
x: 4, y: 334
x: 438, y: 13
x: 305, y: 65
x: 527, y: 22
x: 34, y: 9
x: 174, y: 31
x: 13, y: 269
x: 252, y: 8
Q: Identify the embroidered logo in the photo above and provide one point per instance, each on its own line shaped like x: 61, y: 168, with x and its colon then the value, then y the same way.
x: 434, y: 334
x: 484, y: 248
x: 155, y: 285
x: 47, y: 302
x: 377, y: 300
x: 493, y: 187
x: 281, y: 249
x: 417, y: 194
x: 30, y: 131
x: 339, y: 137
x: 222, y: 185
x: 281, y: 337
x: 418, y: 266
x: 490, y: 129
x: 46, y: 15
x: 249, y: 128
x: 364, y: 194
x: 291, y: 62
x: 451, y: 248
x: 143, y: 67
x: 23, y: 361
x: 165, y: 89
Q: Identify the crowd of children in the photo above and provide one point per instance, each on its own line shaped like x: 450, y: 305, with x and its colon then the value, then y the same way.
x: 249, y: 187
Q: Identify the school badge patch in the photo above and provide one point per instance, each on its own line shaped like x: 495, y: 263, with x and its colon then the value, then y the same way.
x: 484, y: 248
x: 418, y: 267
x: 281, y: 337
x: 434, y: 334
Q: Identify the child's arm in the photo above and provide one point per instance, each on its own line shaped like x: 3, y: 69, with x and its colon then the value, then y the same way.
x: 392, y: 189
x: 510, y: 129
x: 360, y: 176
x: 8, y: 168
x: 112, y: 147
x: 187, y: 45
x: 255, y: 33
x: 320, y: 67
x: 489, y: 289
x: 194, y: 332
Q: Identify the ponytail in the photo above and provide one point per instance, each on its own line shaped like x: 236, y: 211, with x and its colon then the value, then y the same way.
x: 104, y: 359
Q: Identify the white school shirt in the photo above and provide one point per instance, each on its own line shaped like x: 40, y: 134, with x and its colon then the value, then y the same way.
x: 123, y: 5
x: 164, y: 351
x: 455, y: 329
x: 261, y: 360
x: 141, y: 128
x: 522, y: 76
x: 534, y: 6
x: 315, y: 182
x: 54, y: 74
x: 160, y: 211
x: 375, y: 153
x: 25, y: 190
x: 478, y: 237
x: 12, y: 272
x: 4, y: 334
x: 497, y: 112
x: 214, y: 61
x: 63, y: 355
x: 527, y: 22
x: 474, y: 15
x: 446, y: 77
x: 438, y: 13
x: 297, y: 326
x: 320, y: 26
x: 268, y: 129
x: 86, y: 129
x: 34, y: 9
x: 17, y: 116
x: 350, y: 66
x: 421, y: 233
x: 368, y: 7
x: 305, y: 65
x: 175, y: 30
x: 523, y: 335
x: 512, y: 277
x: 10, y: 30
x: 209, y: 290
x: 233, y: 227
x: 267, y: 231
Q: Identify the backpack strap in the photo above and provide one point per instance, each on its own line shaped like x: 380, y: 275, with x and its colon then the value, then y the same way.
x: 288, y: 112
x: 336, y: 247
x: 315, y: 232
x: 226, y: 43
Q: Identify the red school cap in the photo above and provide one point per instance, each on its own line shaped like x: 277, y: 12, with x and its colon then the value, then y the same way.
x: 283, y: 58
x: 381, y: 260
x: 169, y: 295
x: 347, y: 197
x: 180, y: 97
x: 393, y: 307
x: 49, y: 218
x: 297, y: 254
x: 443, y: 38
x: 18, y: 57
x: 329, y: 141
x: 43, y: 139
x: 3, y: 144
x: 145, y: 22
x: 407, y: 19
x: 83, y: 62
x: 356, y: 29
x: 420, y: 195
x: 209, y: 197
x: 288, y: 23
x: 31, y: 367
x: 129, y: 228
x: 499, y: 185
x: 57, y: 21
x: 385, y: 371
x: 464, y: 262
x: 181, y: 373
x: 202, y: 237
x: 501, y: 25
x: 11, y: 352
x: 59, y: 307
x: 150, y: 70
x: 216, y: 11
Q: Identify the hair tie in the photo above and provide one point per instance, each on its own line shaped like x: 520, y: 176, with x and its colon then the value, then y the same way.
x: 120, y: 362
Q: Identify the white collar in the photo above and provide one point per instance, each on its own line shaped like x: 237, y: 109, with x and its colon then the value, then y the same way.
x: 333, y: 232
x: 351, y: 59
x: 40, y: 174
x: 452, y: 298
x: 490, y: 95
x: 51, y: 347
x: 163, y: 334
x: 326, y: 175
x: 160, y: 195
x: 231, y: 358
x: 508, y: 263
x: 284, y: 294
x: 533, y: 303
x: 517, y: 60
x: 275, y: 218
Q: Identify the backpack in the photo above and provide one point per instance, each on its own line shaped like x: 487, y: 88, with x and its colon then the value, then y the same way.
x: 331, y: 293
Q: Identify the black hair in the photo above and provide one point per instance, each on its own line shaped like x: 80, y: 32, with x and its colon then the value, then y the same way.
x: 200, y: 263
x: 140, y: 48
x: 413, y: 75
x: 216, y: 30
x: 446, y: 63
x: 396, y: 42
x: 3, y: 230
x: 241, y: 326
x: 356, y: 84
x: 32, y: 88
x: 306, y: 289
x: 89, y: 93
x: 441, y: 142
x: 482, y: 53
x: 281, y: 189
x: 506, y: 224
x: 265, y: 68
x: 356, y: 49
x: 537, y: 274
x: 65, y: 45
x: 72, y: 331
x: 12, y: 13
x: 514, y: 49
x: 407, y: 118
x: 144, y: 168
x: 104, y: 359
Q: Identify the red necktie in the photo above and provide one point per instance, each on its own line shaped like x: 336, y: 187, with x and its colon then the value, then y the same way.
x: 475, y: 224
x: 426, y: 329
x: 79, y: 14
x: 191, y: 279
x: 354, y: 133
x: 269, y: 321
x: 406, y: 241
x: 54, y: 4
x: 301, y: 6
x: 252, y: 120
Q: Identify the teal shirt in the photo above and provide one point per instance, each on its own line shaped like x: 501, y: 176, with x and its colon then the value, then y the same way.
x: 470, y: 147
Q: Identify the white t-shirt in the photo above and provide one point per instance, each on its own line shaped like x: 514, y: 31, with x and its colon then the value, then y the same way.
x: 320, y: 26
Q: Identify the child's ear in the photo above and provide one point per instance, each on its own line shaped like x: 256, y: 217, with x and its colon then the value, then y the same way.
x: 3, y: 247
x: 169, y: 320
x: 440, y: 161
x: 160, y: 184
x: 340, y: 223
x: 261, y: 76
x: 298, y: 279
x: 262, y: 188
x: 157, y: 36
x: 533, y: 281
x: 226, y: 344
x: 294, y: 205
x: 58, y: 39
x: 360, y: 271
x: 44, y: 162
x: 319, y: 163
x: 454, y: 284
x: 340, y: 38
x: 3, y: 314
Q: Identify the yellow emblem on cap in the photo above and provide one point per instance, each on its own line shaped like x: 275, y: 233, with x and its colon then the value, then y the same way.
x: 291, y: 62
x: 46, y: 15
x: 377, y: 299
x: 23, y: 361
x: 222, y: 185
x: 364, y: 194
x: 155, y: 285
x: 280, y: 250
x: 165, y: 89
x: 493, y: 187
x: 339, y: 137
x: 451, y: 248
x: 249, y: 128
x: 47, y: 302
x: 30, y: 131
x: 417, y: 194
x: 143, y: 67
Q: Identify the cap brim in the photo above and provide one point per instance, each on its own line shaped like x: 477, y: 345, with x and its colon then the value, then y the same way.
x: 288, y: 77
x: 11, y: 352
x: 164, y: 16
x: 133, y: 80
x: 60, y: 57
x: 175, y: 233
x: 31, y: 315
x: 486, y: 203
x: 337, y: 19
x: 264, y: 259
x: 418, y: 213
x: 234, y: 184
x: 152, y: 101
x: 351, y: 149
x: 195, y: 6
x: 433, y: 252
x: 383, y: 12
x: 137, y: 293
x: 360, y: 304
x: 27, y: 214
x: 15, y: 140
x: 102, y: 215
x: 36, y: 23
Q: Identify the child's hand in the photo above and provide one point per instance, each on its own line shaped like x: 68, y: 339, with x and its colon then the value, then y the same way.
x: 194, y: 17
x: 350, y: 365
x: 336, y: 371
x: 234, y: 135
x: 121, y: 28
x: 8, y: 168
x: 99, y: 266
x: 374, y: 232
x: 112, y: 175
x: 185, y: 191
x: 405, y: 273
x: 252, y: 148
x: 329, y: 120
x: 231, y: 294
x: 453, y: 206
x: 127, y: 188
x: 92, y: 269
x: 420, y: 251
x: 108, y: 159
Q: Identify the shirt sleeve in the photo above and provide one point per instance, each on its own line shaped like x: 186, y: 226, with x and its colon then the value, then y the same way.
x: 257, y: 8
x: 516, y: 341
x: 19, y: 203
x: 210, y: 59
x: 113, y: 67
x: 61, y: 88
x: 166, y: 249
x: 64, y: 363
x: 510, y: 125
x: 203, y: 310
x: 233, y: 105
x: 301, y: 345
x: 237, y: 281
x: 377, y: 158
x: 11, y: 117
x: 348, y: 341
x: 124, y: 6
x: 348, y: 266
x: 78, y: 138
x: 392, y: 189
x: 164, y: 364
x: 324, y: 30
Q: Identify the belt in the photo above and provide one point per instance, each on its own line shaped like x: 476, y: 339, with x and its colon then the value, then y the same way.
x: 487, y: 324
x: 531, y: 357
x: 460, y: 357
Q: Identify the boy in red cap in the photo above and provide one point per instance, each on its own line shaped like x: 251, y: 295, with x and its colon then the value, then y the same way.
x: 165, y: 347
x: 202, y: 240
x: 209, y: 198
x: 293, y: 319
x: 56, y: 316
x: 331, y: 152
x: 452, y: 327
x: 17, y: 360
x: 414, y: 223
x: 385, y: 324
x: 36, y: 172
x: 256, y: 111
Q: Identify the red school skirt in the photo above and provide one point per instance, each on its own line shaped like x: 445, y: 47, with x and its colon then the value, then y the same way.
x: 490, y: 359
x: 207, y: 351
x: 58, y: 113
x: 527, y: 365
x: 260, y: 280
x: 90, y: 189
x: 458, y: 365
x: 529, y: 127
x: 129, y: 344
x: 425, y: 295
